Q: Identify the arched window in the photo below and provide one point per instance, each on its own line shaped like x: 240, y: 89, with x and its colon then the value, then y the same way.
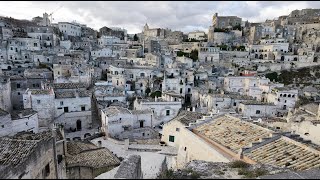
x: 289, y: 95
x: 284, y: 95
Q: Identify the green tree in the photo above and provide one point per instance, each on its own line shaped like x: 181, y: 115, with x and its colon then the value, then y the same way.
x: 148, y: 90
x: 194, y: 55
x: 135, y: 37
x: 272, y: 76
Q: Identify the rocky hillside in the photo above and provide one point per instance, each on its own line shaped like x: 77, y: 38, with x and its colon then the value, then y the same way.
x: 216, y: 170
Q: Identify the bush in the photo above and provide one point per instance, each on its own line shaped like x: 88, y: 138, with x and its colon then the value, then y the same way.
x: 156, y: 94
x: 195, y: 175
x: 238, y: 164
x: 252, y: 174
x: 167, y: 174
x: 272, y: 76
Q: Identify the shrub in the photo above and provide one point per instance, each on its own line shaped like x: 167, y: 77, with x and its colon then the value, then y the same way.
x: 252, y: 174
x: 238, y: 164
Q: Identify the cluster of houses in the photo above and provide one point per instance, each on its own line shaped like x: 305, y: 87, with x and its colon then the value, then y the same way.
x: 206, y: 94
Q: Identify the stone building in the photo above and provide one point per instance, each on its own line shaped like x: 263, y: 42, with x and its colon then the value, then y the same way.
x: 118, y: 120
x: 225, y: 21
x: 84, y: 160
x: 257, y: 109
x: 204, y: 139
x: 41, y: 101
x: 5, y: 94
x: 163, y: 110
x: 209, y: 55
x: 33, y: 156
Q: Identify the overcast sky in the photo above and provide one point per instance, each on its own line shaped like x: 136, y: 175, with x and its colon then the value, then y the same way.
x: 176, y: 15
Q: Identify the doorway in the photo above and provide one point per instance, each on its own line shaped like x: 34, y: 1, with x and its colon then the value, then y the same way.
x: 78, y: 125
x: 141, y: 124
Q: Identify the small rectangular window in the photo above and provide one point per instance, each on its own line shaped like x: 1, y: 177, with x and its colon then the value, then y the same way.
x: 18, y: 86
x: 38, y: 101
x: 83, y: 108
x: 167, y: 112
x: 61, y: 103
x: 177, y: 129
x: 171, y: 138
x: 257, y: 111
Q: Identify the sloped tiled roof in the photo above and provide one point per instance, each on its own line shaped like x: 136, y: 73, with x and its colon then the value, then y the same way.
x: 88, y: 155
x: 232, y: 132
x: 288, y: 153
x: 187, y: 117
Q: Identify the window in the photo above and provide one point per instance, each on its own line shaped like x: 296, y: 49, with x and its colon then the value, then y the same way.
x: 257, y: 111
x: 38, y: 101
x: 18, y: 86
x: 61, y: 103
x: 2, y: 126
x: 18, y: 93
x: 167, y: 112
x: 185, y: 148
x: 83, y: 108
x: 171, y: 138
x: 27, y: 123
x: 234, y: 104
x: 66, y: 109
x: 177, y: 129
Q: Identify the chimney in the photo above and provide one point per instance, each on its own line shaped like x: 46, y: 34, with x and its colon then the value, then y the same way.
x: 99, y: 144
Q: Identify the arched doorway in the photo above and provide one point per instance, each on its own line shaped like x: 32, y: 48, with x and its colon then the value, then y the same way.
x: 78, y: 125
x: 261, y: 56
x: 282, y: 58
x: 315, y: 59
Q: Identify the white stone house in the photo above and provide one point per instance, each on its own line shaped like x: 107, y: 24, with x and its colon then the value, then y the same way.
x: 116, y: 120
x: 209, y: 55
x: 25, y: 120
x: 197, y: 35
x: 108, y: 40
x: 257, y: 109
x: 73, y: 110
x: 163, y: 110
x: 70, y: 29
x: 283, y: 98
x: 41, y: 101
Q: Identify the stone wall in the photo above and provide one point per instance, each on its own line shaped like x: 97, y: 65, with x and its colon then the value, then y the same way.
x: 130, y: 168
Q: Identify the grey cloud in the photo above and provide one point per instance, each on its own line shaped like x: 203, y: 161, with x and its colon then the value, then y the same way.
x: 182, y: 15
